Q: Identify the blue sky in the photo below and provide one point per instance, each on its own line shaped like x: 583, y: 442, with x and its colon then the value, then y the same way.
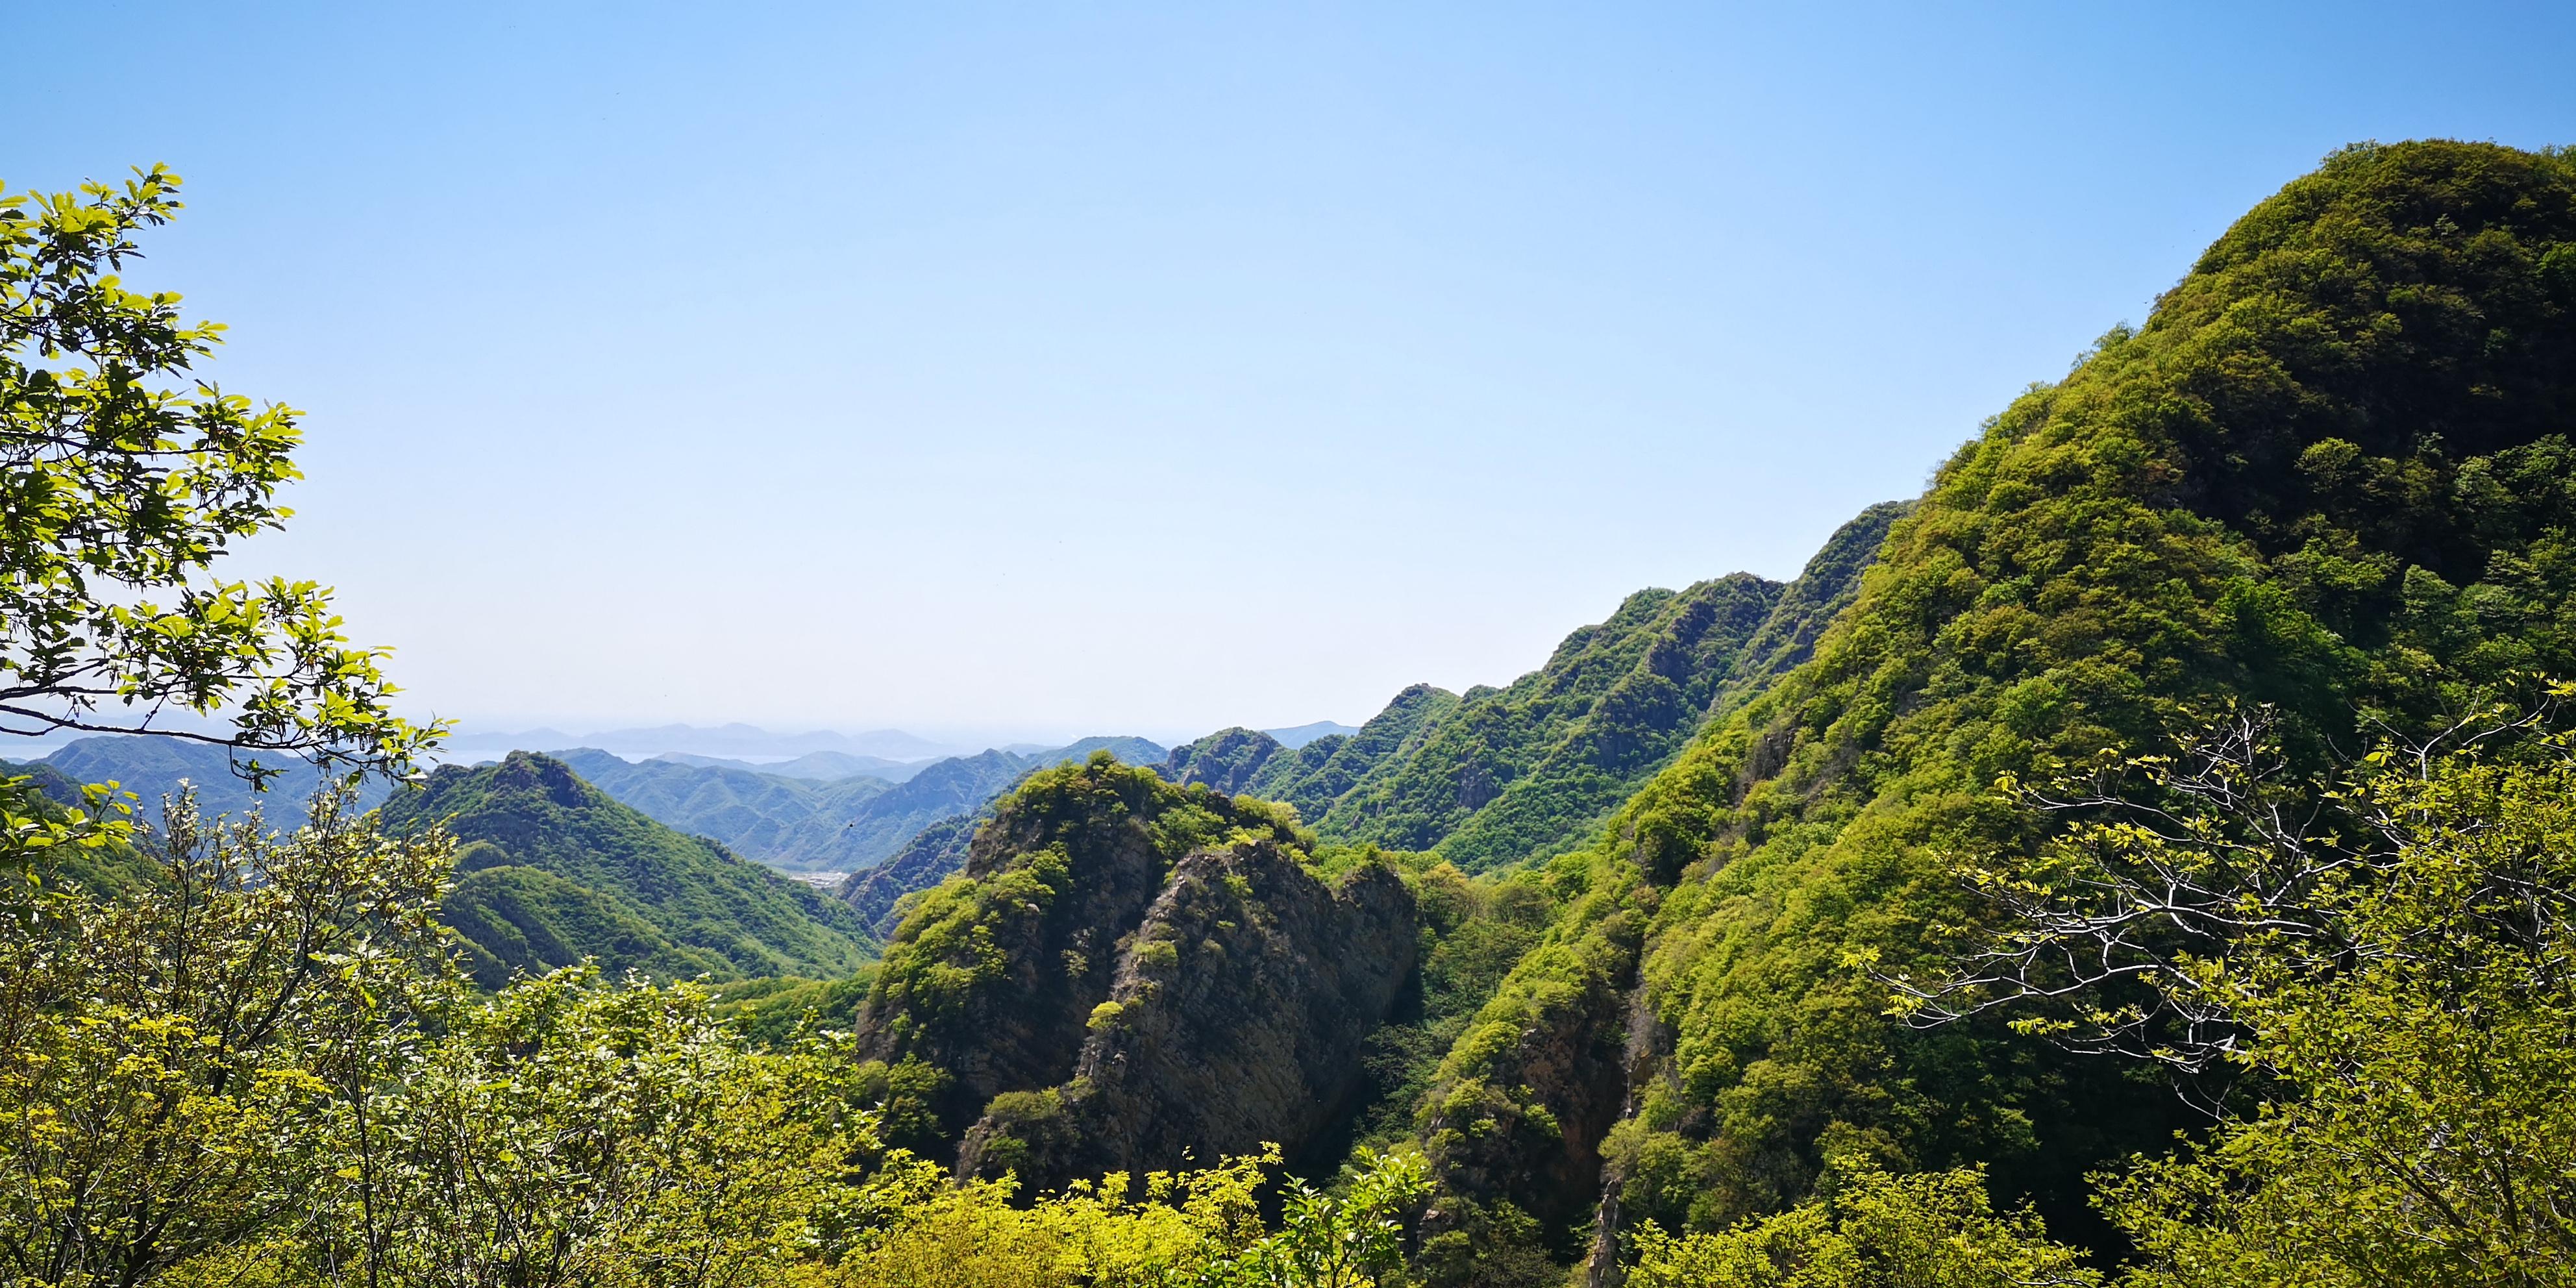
x: 1043, y: 370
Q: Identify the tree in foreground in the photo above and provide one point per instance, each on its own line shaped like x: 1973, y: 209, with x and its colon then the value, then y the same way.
x: 124, y: 479
x: 1866, y: 1229
x: 2385, y: 960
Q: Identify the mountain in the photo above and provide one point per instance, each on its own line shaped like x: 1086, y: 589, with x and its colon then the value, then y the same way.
x: 153, y: 768
x: 1129, y: 751
x: 2332, y: 473
x: 1300, y: 735
x: 1128, y: 971
x: 722, y: 740
x: 550, y: 869
x: 821, y: 766
x: 1502, y: 775
x: 939, y: 849
x: 1225, y: 760
x: 1314, y: 776
x: 805, y: 825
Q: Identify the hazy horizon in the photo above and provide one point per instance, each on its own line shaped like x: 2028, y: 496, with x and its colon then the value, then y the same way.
x: 1069, y: 371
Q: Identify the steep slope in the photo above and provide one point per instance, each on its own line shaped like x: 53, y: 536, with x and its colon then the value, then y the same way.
x: 1007, y: 982
x: 2330, y: 472
x: 1235, y: 1016
x: 933, y: 855
x: 1332, y: 767
x: 1504, y: 775
x: 552, y: 869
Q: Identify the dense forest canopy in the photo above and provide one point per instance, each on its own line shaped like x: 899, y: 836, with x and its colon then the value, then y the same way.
x: 2146, y: 858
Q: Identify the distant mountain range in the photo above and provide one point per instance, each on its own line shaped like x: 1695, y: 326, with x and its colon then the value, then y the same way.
x: 819, y: 813
x: 721, y: 740
x: 822, y: 766
x: 154, y: 767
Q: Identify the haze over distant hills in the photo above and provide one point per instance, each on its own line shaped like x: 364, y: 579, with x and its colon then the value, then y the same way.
x: 722, y: 740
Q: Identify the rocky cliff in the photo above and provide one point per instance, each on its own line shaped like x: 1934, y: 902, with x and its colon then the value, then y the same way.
x: 1127, y: 968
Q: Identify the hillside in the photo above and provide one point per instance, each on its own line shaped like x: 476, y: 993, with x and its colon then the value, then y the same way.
x: 2330, y: 472
x: 550, y: 869
x: 1502, y: 775
x: 152, y: 768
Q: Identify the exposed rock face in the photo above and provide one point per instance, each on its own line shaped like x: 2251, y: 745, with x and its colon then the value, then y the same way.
x: 1237, y: 1017
x: 1013, y: 968
x: 1128, y: 970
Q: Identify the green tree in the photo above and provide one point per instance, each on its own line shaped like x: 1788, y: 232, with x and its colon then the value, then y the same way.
x: 2421, y: 1123
x: 123, y: 480
x: 575, y: 1131
x: 167, y: 1056
x: 1867, y: 1229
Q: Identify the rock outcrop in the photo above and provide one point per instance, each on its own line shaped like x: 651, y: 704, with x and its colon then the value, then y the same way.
x: 1129, y: 973
x: 1236, y: 1018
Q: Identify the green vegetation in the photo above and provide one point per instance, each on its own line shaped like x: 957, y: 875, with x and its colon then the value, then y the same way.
x: 552, y: 871
x: 1866, y: 1229
x: 2327, y: 473
x: 993, y: 976
x: 153, y: 768
x: 2195, y: 732
x: 122, y: 492
x: 1325, y: 770
x: 1505, y: 775
x: 1225, y: 761
x: 883, y: 894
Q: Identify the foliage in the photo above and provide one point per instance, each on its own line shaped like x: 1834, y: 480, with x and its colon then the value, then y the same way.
x: 2421, y: 1122
x: 1505, y: 775
x: 1534, y: 763
x: 154, y: 768
x: 570, y: 1132
x: 1867, y: 1229
x: 883, y: 895
x: 2329, y: 473
x: 163, y: 1052
x: 1314, y: 776
x: 120, y: 490
x: 553, y: 871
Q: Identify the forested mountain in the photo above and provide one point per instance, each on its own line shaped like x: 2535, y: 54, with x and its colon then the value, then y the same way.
x: 551, y: 870
x: 1503, y: 775
x: 809, y: 825
x: 152, y: 768
x: 2330, y: 472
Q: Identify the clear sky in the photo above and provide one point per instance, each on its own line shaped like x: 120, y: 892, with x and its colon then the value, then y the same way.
x: 1038, y: 370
